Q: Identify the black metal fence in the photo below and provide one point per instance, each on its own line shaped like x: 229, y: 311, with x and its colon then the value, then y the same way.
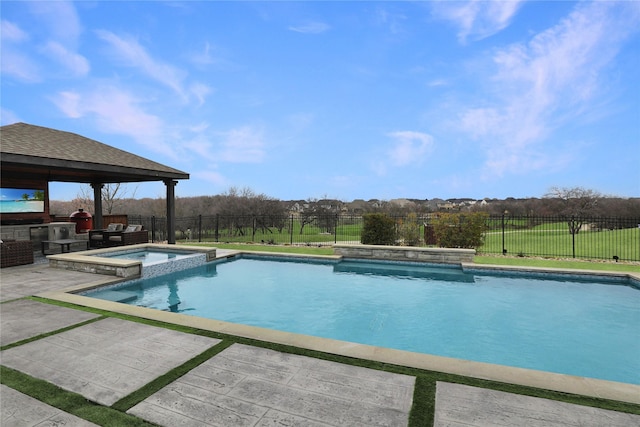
x: 609, y: 238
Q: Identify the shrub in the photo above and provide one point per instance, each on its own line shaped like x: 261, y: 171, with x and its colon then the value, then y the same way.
x: 461, y: 230
x: 409, y: 230
x: 378, y: 229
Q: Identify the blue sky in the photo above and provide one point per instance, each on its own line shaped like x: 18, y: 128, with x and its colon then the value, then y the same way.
x: 346, y: 100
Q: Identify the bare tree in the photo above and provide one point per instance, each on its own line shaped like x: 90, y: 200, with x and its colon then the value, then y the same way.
x: 65, y: 208
x: 309, y: 213
x: 112, y: 195
x: 243, y: 209
x: 575, y: 204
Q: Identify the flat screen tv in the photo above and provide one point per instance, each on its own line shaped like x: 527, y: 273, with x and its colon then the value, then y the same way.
x: 21, y: 200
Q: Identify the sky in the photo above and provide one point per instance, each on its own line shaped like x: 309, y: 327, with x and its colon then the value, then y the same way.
x: 342, y: 100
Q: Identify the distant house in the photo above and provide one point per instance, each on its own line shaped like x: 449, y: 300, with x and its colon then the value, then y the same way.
x: 446, y: 206
x: 403, y: 203
x: 358, y: 206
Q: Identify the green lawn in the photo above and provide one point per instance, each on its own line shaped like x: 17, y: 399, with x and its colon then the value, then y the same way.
x: 520, y: 238
x: 555, y: 239
x: 306, y: 250
x: 569, y: 264
x: 292, y: 233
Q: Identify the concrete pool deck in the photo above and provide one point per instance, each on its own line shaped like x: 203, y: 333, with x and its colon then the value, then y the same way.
x: 320, y: 394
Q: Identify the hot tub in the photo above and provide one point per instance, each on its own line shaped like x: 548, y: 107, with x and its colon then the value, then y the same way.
x: 145, y: 260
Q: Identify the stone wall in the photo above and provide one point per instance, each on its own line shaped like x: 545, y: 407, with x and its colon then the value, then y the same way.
x: 118, y: 268
x: 405, y: 253
x: 38, y: 233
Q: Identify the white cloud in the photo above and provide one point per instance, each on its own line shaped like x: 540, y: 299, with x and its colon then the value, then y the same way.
x: 206, y: 145
x: 69, y: 104
x: 117, y: 112
x: 300, y: 121
x: 213, y: 177
x: 409, y: 147
x: 311, y: 28
x: 11, y: 32
x: 8, y: 117
x: 134, y: 55
x: 200, y: 144
x: 480, y: 122
x: 199, y: 128
x: 204, y: 57
x: 72, y: 61
x: 211, y: 56
x: 200, y: 91
x: 19, y: 66
x: 437, y: 83
x: 243, y: 145
x: 393, y: 21
x: 64, y: 29
x: 15, y: 62
x: 60, y: 18
x: 477, y: 19
x: 545, y: 83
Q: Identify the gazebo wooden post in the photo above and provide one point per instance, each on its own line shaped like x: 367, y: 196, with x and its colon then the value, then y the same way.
x: 171, y: 211
x: 97, y: 205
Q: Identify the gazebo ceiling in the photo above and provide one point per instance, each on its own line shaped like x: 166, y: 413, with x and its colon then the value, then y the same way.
x: 37, y: 152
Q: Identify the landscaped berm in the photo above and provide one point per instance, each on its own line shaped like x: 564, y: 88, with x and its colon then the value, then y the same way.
x: 72, y: 360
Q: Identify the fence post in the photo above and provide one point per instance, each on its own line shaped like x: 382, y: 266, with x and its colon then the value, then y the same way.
x: 504, y: 250
x: 217, y: 235
x: 335, y: 231
x: 153, y: 229
x: 573, y: 236
x: 253, y: 230
x: 291, y: 231
x: 200, y: 228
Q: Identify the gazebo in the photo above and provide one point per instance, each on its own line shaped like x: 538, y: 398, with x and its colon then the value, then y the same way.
x: 33, y: 156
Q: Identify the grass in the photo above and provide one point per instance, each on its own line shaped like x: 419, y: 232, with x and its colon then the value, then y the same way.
x: 311, y: 233
x: 555, y: 238
x: 520, y: 237
x: 557, y: 263
x: 305, y: 250
x: 67, y: 401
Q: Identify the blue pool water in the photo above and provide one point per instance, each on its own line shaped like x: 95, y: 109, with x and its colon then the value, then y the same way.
x: 574, y: 327
x: 147, y: 256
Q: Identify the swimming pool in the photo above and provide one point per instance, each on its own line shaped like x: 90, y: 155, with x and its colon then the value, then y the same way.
x: 553, y: 324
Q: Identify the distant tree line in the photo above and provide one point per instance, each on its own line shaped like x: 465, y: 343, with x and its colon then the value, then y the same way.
x: 564, y: 202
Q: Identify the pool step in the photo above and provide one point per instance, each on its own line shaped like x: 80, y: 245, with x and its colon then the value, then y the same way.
x: 118, y: 296
x: 451, y: 274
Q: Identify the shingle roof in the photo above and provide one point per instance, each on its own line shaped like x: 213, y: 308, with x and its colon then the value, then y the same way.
x: 24, y: 143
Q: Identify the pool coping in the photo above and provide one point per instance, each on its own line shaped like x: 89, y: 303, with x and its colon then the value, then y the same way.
x: 526, y: 377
